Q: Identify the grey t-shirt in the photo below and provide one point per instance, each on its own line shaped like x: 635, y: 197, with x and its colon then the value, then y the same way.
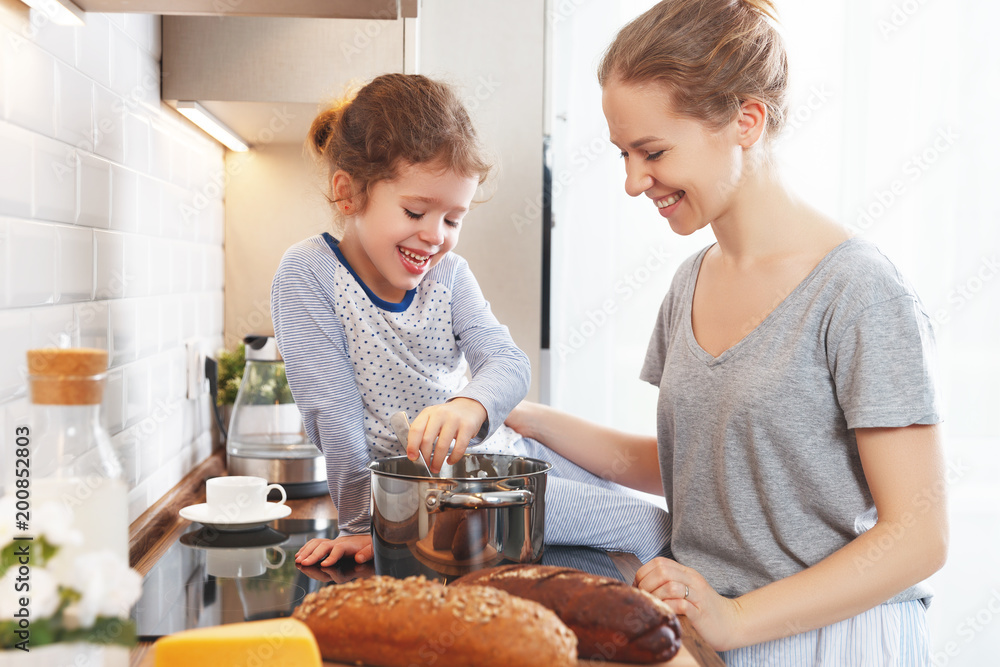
x: 757, y: 449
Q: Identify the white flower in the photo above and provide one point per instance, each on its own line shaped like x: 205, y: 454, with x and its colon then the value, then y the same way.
x: 53, y: 520
x: 107, y: 587
x: 50, y: 519
x: 43, y: 593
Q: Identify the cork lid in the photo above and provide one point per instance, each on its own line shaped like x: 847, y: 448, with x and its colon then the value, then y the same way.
x: 70, y: 376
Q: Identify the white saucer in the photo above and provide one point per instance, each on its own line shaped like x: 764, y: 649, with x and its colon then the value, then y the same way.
x: 219, y: 521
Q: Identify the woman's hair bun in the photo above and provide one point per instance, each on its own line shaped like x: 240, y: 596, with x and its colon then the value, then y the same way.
x: 764, y: 7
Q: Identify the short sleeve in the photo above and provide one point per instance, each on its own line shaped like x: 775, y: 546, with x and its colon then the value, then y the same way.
x: 883, y: 366
x: 652, y: 367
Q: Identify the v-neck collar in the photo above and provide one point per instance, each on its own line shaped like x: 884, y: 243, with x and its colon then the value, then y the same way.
x: 775, y: 314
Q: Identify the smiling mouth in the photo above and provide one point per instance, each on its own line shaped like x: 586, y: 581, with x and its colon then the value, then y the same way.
x: 671, y: 200
x: 415, y: 259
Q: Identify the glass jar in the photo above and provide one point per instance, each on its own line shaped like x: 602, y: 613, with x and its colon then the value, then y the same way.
x: 73, y: 461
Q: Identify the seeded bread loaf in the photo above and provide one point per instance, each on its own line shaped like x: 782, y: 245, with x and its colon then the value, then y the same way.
x: 400, y: 622
x: 612, y: 620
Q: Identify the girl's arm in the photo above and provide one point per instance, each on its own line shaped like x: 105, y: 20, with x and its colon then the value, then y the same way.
x: 313, y: 345
x: 500, y: 372
x: 905, y: 471
x: 625, y: 458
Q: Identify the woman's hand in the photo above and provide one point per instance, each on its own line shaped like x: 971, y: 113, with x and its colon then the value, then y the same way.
x: 716, y: 618
x: 522, y: 419
x: 327, y: 552
x: 459, y: 419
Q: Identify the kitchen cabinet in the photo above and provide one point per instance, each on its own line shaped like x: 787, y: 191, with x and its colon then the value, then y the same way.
x: 265, y: 76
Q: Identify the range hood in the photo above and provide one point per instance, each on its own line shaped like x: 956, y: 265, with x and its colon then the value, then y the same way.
x: 333, y: 9
x: 266, y: 76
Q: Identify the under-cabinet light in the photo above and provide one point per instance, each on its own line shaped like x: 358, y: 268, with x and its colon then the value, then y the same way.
x: 198, y: 115
x: 60, y: 12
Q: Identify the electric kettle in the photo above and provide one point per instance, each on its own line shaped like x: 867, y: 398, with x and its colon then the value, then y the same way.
x: 265, y: 436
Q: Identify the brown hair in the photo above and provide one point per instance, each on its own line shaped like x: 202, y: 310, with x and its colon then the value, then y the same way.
x: 396, y: 117
x: 712, y: 55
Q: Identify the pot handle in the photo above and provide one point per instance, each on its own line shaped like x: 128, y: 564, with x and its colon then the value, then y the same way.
x: 438, y: 499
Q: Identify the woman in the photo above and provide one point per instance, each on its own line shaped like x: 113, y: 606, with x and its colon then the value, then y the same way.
x: 797, y: 440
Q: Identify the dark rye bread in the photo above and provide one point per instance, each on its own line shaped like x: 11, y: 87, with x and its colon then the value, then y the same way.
x: 401, y: 622
x: 612, y: 620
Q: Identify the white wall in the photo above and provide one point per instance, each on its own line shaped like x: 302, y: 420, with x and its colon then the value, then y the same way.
x: 493, y: 52
x: 110, y: 233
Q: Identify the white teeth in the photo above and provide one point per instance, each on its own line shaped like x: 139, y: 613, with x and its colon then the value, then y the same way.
x: 419, y: 259
x: 671, y: 200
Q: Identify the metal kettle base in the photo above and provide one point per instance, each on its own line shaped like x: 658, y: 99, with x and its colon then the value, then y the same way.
x: 301, y: 478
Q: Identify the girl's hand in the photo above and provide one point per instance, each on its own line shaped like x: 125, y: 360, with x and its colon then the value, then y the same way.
x: 716, y: 618
x: 313, y: 551
x: 459, y: 419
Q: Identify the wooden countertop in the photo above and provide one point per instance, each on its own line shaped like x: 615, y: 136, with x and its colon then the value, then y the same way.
x: 159, y: 528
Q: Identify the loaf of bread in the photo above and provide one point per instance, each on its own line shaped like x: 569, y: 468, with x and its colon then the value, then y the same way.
x: 612, y: 620
x: 400, y: 622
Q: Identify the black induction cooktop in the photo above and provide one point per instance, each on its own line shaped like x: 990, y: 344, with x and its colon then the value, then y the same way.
x: 211, y: 578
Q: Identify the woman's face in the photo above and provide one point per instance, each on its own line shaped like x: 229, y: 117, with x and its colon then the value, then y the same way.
x: 689, y: 171
x: 408, y: 225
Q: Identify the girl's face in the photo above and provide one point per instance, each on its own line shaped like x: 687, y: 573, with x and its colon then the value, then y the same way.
x: 408, y: 225
x: 688, y: 171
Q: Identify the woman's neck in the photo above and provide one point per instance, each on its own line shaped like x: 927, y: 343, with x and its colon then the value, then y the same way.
x: 766, y: 222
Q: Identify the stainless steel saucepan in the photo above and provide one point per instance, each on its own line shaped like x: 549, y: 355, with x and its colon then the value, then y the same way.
x: 485, y: 510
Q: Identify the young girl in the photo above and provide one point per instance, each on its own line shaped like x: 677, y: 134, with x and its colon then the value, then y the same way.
x: 796, y: 420
x: 388, y: 319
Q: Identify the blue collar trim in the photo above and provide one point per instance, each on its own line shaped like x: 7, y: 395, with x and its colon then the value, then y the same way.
x: 381, y: 303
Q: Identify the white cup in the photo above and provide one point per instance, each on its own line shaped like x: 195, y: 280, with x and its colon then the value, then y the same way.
x: 239, y: 497
x: 250, y: 562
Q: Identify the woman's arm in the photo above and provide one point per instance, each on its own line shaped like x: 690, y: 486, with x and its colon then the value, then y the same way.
x: 906, y: 474
x: 625, y: 458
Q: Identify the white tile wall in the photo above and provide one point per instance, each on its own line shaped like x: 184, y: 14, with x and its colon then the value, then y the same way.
x: 98, y: 242
x: 74, y: 264
x: 55, y: 173
x: 95, y: 191
x: 124, y: 199
x: 16, y: 166
x: 74, y: 107
x: 31, y: 75
x: 31, y: 263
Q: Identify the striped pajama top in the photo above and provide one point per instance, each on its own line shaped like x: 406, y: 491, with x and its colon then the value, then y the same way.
x: 352, y: 360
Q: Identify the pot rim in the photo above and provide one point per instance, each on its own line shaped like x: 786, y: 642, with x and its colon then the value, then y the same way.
x: 544, y: 467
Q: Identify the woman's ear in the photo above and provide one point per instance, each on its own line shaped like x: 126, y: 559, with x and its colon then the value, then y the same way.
x: 342, y: 186
x: 750, y: 122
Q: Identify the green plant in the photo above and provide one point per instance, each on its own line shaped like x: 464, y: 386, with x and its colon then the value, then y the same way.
x: 267, y: 384
x: 231, y: 364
